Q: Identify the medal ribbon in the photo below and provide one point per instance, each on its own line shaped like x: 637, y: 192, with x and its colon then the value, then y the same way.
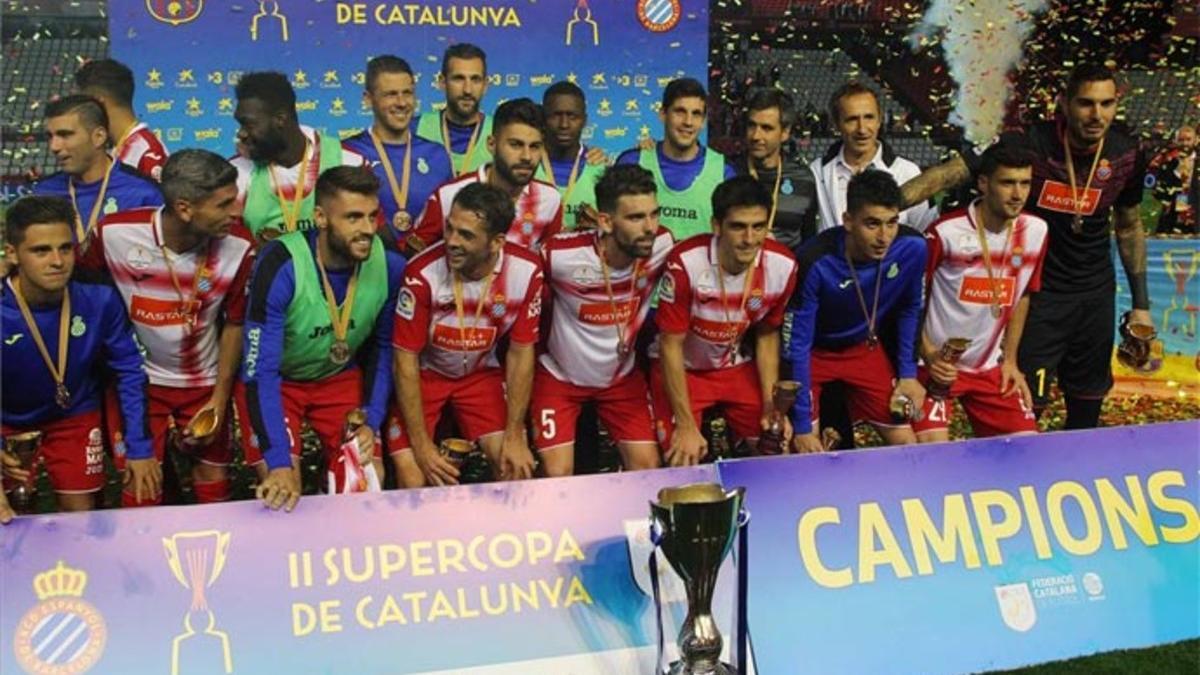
x: 872, y: 338
x: 570, y: 180
x: 292, y: 216
x: 64, y: 316
x: 1005, y: 256
x: 612, y: 298
x: 1076, y: 203
x: 399, y: 190
x: 775, y: 192
x: 80, y: 231
x: 458, y: 171
x: 460, y: 311
x: 190, y: 303
x: 340, y: 318
x: 747, y: 286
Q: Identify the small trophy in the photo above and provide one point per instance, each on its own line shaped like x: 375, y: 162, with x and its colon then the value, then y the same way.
x: 902, y: 409
x: 783, y: 397
x: 456, y: 451
x: 24, y: 446
x: 350, y: 468
x: 830, y: 438
x: 1136, y: 342
x: 694, y: 526
x: 951, y: 351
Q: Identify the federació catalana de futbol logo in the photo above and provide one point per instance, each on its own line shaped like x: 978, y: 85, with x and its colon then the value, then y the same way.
x: 62, y: 634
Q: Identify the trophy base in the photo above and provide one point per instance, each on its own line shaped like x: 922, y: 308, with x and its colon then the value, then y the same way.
x: 718, y: 668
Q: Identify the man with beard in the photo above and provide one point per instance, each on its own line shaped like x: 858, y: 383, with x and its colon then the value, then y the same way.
x: 599, y: 283
x: 1086, y: 175
x: 770, y: 114
x: 517, y: 148
x: 55, y: 336
x: 716, y: 290
x: 279, y: 159
x: 857, y: 285
x: 111, y: 83
x: 408, y: 167
x: 94, y: 184
x: 1176, y: 184
x: 685, y: 171
x: 984, y: 263
x: 460, y: 127
x: 318, y: 333
x: 857, y: 116
x: 461, y: 297
x: 182, y: 271
x: 567, y: 163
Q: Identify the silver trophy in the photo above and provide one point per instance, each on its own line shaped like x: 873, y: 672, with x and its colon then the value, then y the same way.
x: 24, y: 447
x: 694, y: 526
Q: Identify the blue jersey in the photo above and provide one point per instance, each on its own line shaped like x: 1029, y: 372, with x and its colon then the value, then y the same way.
x: 127, y: 189
x: 430, y: 168
x: 271, y: 290
x: 676, y: 174
x: 828, y: 314
x: 100, y: 336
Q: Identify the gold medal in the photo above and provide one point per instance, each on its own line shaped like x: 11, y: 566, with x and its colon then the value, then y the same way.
x: 460, y: 313
x: 872, y: 338
x: 735, y: 342
x: 622, y: 325
x: 993, y: 282
x: 291, y: 216
x: 1077, y: 224
x: 189, y: 304
x: 1076, y: 202
x: 61, y: 396
x: 59, y: 372
x: 80, y: 230
x: 402, y: 221
x: 339, y: 353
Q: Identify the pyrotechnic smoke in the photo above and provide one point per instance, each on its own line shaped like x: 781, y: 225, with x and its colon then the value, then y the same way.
x: 982, y: 42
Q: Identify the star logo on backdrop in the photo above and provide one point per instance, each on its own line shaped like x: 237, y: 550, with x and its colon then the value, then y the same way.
x: 598, y: 80
x: 225, y: 105
x: 330, y: 77
x: 154, y: 78
x: 300, y: 78
x: 186, y: 75
x: 605, y: 107
x: 644, y: 131
x: 572, y: 78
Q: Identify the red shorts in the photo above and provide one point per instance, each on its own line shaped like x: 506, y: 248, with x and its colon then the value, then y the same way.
x: 476, y: 400
x: 735, y: 389
x: 72, y: 450
x: 321, y: 404
x: 174, y: 406
x: 623, y: 408
x: 869, y: 378
x: 990, y: 413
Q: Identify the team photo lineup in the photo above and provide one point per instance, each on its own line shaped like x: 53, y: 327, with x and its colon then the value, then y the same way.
x: 475, y: 285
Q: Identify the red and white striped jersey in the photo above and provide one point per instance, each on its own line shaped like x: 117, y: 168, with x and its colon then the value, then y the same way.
x: 130, y: 245
x: 428, y: 321
x: 289, y: 176
x: 690, y: 300
x: 958, y: 292
x: 583, y: 344
x: 143, y: 151
x: 539, y: 211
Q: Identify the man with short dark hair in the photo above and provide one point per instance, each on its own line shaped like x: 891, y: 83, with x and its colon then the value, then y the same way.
x: 720, y: 293
x: 686, y: 171
x: 461, y: 297
x: 1176, y: 184
x: 985, y: 261
x: 55, y: 334
x: 408, y: 167
x: 599, y: 283
x: 858, y: 312
x: 516, y: 146
x: 89, y: 179
x: 461, y: 127
x: 279, y: 160
x: 318, y: 331
x: 567, y: 163
x: 111, y: 83
x: 182, y: 271
x: 770, y: 114
x: 857, y: 117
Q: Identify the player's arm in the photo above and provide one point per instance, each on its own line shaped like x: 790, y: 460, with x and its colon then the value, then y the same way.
x: 377, y: 366
x: 673, y: 319
x: 767, y: 351
x: 804, y: 323
x: 1011, y: 378
x: 908, y: 326
x: 6, y: 511
x: 271, y: 290
x: 229, y: 345
x: 939, y: 369
x: 1131, y: 245
x: 143, y: 474
x: 428, y: 228
x: 944, y: 176
x: 516, y: 460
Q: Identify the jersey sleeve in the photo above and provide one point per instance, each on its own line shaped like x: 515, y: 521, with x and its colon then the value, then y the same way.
x: 934, y: 253
x: 525, y: 329
x: 125, y: 360
x: 410, y: 330
x: 674, y: 298
x: 239, y: 288
x: 908, y: 321
x: 1131, y: 194
x: 377, y: 367
x: 804, y: 322
x: 774, y: 318
x: 271, y: 289
x: 431, y: 222
x: 1035, y: 280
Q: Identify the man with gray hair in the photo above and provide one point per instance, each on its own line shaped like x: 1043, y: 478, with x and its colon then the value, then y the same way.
x: 182, y: 271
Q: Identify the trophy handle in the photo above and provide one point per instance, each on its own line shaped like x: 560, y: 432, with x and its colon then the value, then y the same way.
x: 741, y: 642
x: 656, y: 535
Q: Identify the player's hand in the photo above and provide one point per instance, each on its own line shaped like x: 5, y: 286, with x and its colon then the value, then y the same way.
x: 437, y: 469
x: 12, y: 468
x: 281, y: 488
x: 143, y: 478
x: 1140, y: 316
x: 942, y: 371
x: 192, y: 441
x: 6, y: 511
x: 516, y: 460
x: 596, y: 156
x: 1012, y: 380
x: 910, y: 387
x: 688, y: 447
x: 806, y: 444
x: 764, y: 423
x: 586, y: 217
x: 646, y: 143
x: 367, y: 438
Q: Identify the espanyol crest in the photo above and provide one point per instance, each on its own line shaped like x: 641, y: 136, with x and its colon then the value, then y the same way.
x: 174, y: 12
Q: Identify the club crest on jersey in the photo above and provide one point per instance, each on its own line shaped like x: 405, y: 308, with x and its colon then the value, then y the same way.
x: 1104, y: 170
x: 1016, y: 256
x: 110, y: 206
x: 78, y: 327
x: 498, y: 306
x: 787, y: 188
x: 755, y: 302
x: 63, y: 633
x: 893, y: 271
x: 422, y: 166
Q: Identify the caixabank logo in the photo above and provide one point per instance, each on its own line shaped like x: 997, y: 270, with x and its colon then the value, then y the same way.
x: 63, y: 634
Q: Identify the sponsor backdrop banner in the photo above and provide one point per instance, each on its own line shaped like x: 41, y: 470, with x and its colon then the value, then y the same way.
x: 1172, y: 267
x: 535, y: 576
x: 187, y: 55
x: 973, y: 556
